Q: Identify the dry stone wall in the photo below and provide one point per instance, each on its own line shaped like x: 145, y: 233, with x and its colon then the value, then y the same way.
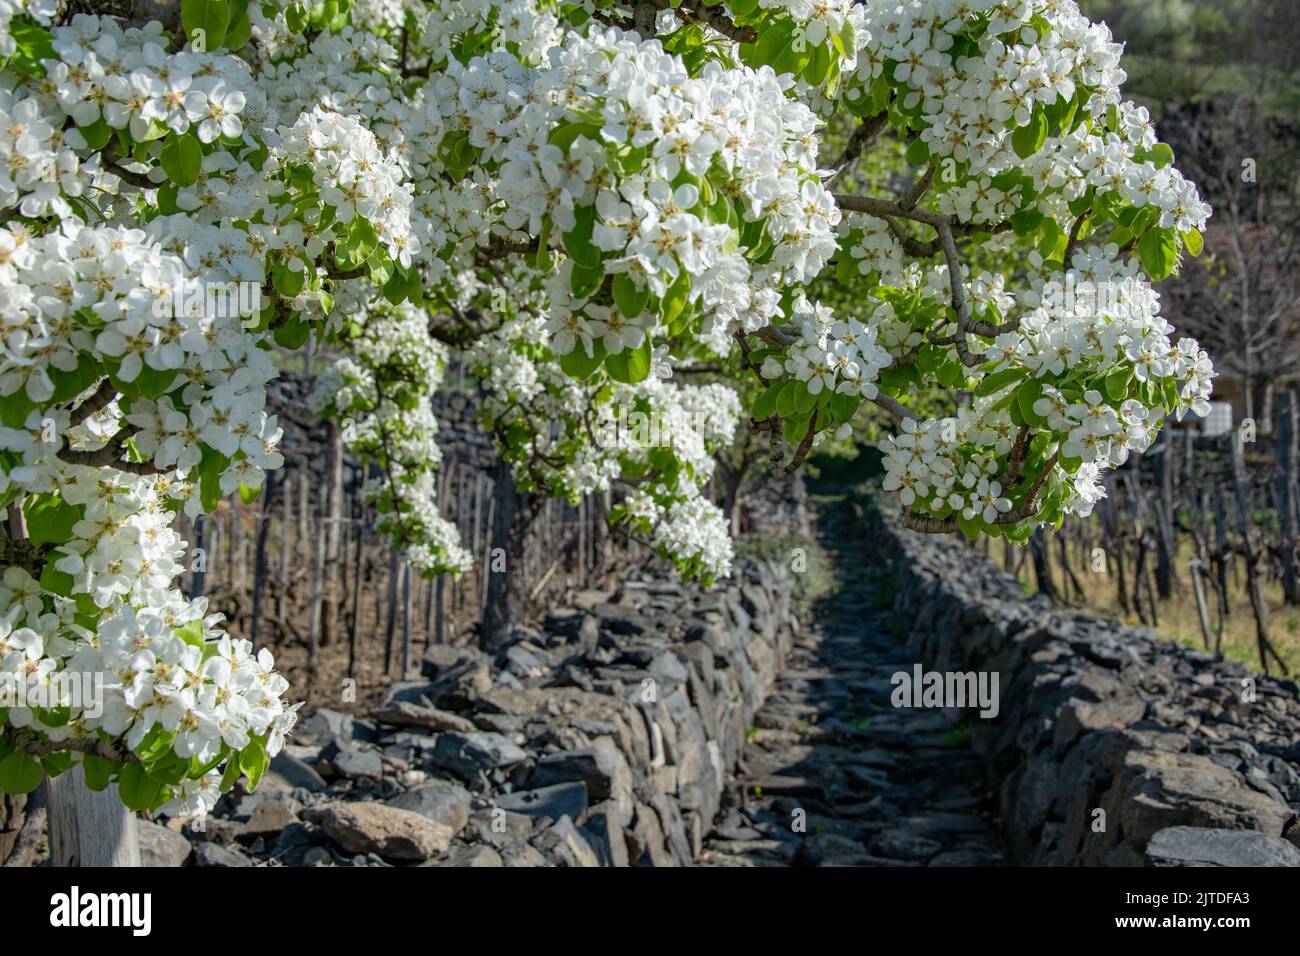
x: 1111, y: 748
x: 602, y: 738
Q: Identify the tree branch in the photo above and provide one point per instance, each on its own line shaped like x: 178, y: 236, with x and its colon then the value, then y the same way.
x: 693, y: 11
x: 97, y: 402
x: 32, y: 744
x: 110, y: 456
x: 895, y: 408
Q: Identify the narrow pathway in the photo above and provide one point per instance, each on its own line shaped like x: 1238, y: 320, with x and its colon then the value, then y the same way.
x: 836, y: 775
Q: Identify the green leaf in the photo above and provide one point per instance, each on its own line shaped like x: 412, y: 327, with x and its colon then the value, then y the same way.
x: 1161, y: 154
x: 630, y: 300
x: 296, y: 18
x: 970, y: 527
x: 630, y: 365
x: 565, y: 134
x: 182, y: 158
x: 394, y: 291
x: 248, y: 495
x: 19, y: 773
x: 805, y: 401
x: 205, y: 22
x: 68, y: 385
x: 56, y: 763
x: 1028, y: 393
x: 795, y: 429
x: 787, y: 402
x: 1193, y: 242
x: 765, y: 404
x: 843, y: 407
x: 288, y: 282
x: 775, y: 48
x: 577, y: 241
x: 1026, y: 221
x: 56, y: 581
x: 292, y: 334
x: 50, y: 519
x: 584, y: 280
x: 97, y: 134
x: 578, y: 364
x: 211, y: 465
x: 98, y: 771
x: 819, y: 65
x: 1158, y: 252
x: 1029, y: 139
x: 231, y: 773
x: 138, y: 790
x: 32, y: 43
x: 1117, y: 383
x: 239, y: 30
x: 918, y: 153
x: 541, y: 259
x: 999, y: 380
x: 675, y: 298
x: 253, y: 761
x: 191, y: 632
x: 152, y: 382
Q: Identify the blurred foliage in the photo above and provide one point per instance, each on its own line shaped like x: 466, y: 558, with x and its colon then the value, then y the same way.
x: 814, y: 573
x: 1180, y: 50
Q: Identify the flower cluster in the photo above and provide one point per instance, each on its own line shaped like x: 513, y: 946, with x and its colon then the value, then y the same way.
x: 668, y: 192
x: 658, y: 434
x: 1090, y: 371
x: 167, y: 683
x: 354, y: 178
x: 380, y: 391
x: 837, y: 355
x: 694, y: 530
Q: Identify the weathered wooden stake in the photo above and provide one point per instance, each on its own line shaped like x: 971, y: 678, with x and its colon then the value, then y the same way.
x: 88, y: 828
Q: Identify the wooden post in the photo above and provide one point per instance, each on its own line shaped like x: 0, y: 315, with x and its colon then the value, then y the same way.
x: 1164, y: 508
x: 1198, y: 588
x: 1257, y: 602
x: 304, y: 515
x: 317, y: 586
x: 356, y: 592
x: 333, y: 529
x: 88, y: 828
x: 196, y: 577
x: 286, y: 522
x: 260, y: 555
x: 406, y: 619
x: 391, y: 622
x: 1287, y: 492
x: 1042, y: 569
x: 440, y: 636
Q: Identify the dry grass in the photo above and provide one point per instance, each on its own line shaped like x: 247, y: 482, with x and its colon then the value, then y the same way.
x: 1177, y: 618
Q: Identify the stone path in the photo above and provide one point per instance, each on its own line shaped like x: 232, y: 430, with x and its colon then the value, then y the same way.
x: 837, y: 776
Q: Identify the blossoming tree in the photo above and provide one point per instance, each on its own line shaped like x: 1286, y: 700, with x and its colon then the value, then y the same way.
x: 581, y: 201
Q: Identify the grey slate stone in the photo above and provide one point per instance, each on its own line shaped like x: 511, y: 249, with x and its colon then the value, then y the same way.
x: 1204, y: 846
x: 555, y: 801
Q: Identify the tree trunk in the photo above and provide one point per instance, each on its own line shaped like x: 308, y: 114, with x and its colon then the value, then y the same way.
x: 1042, y: 570
x: 333, y: 536
x: 512, y: 523
x: 88, y: 828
